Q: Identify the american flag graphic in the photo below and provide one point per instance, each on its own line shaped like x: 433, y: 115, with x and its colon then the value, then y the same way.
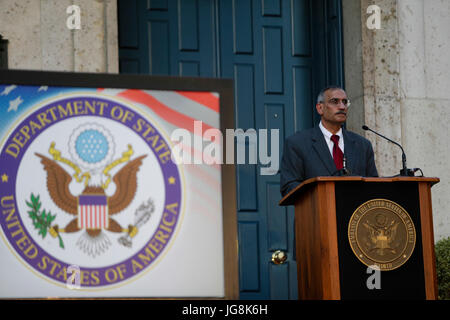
x: 179, y: 109
x: 92, y: 212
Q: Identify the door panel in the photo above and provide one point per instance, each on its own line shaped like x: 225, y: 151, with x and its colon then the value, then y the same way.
x: 277, y: 58
x: 279, y: 53
x: 249, y: 268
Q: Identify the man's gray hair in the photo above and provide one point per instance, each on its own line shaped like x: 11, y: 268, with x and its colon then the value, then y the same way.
x: 321, y: 95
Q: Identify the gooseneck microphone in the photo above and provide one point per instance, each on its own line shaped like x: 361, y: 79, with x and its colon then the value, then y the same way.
x: 344, y: 171
x: 405, y: 171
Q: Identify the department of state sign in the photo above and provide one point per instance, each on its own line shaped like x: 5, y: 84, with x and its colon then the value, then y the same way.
x: 88, y: 181
x: 382, y: 233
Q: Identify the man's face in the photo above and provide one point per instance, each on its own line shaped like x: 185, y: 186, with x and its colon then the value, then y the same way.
x: 333, y: 109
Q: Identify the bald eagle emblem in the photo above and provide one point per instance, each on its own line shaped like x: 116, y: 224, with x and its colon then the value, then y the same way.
x: 382, y: 235
x: 92, y: 149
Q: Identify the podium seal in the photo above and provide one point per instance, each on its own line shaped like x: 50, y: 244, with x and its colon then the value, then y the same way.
x: 381, y: 233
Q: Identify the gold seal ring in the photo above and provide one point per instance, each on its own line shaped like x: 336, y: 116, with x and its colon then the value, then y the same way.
x: 381, y: 233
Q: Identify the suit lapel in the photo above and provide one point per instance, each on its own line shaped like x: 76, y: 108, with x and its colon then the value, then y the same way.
x: 349, y: 151
x: 320, y: 146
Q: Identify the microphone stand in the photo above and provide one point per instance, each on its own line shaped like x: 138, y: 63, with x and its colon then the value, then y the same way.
x: 404, y: 172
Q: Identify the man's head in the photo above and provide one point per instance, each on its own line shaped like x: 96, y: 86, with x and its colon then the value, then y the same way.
x: 332, y: 106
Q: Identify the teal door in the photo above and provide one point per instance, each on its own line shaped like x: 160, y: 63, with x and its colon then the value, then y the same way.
x: 279, y: 53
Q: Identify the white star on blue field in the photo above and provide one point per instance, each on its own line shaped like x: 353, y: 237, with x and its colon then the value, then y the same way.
x: 15, y: 100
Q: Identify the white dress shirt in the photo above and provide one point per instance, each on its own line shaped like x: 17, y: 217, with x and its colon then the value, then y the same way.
x: 327, y: 134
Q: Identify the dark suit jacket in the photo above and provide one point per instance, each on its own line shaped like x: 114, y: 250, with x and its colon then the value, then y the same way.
x: 306, y: 155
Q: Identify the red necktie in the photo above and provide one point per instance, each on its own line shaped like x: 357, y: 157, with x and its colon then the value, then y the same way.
x: 338, y: 155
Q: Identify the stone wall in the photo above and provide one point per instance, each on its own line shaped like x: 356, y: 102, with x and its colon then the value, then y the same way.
x: 39, y: 38
x: 399, y: 76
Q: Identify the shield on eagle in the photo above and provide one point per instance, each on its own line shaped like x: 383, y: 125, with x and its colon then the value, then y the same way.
x: 93, y: 212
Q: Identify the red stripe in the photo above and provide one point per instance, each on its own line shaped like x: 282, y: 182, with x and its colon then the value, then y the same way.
x: 86, y: 217
x: 206, y: 199
x: 90, y: 217
x: 204, y: 176
x: 82, y: 217
x: 204, y: 98
x: 174, y: 117
x: 97, y: 223
x: 102, y: 219
x: 83, y: 220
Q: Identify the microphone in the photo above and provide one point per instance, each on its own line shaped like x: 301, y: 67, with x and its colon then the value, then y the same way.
x: 344, y: 171
x: 404, y: 171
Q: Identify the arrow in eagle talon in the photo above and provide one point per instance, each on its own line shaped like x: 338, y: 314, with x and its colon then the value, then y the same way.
x: 132, y: 231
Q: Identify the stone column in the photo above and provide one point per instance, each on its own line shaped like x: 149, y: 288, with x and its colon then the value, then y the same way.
x: 56, y: 39
x: 39, y: 38
x: 97, y: 37
x: 20, y: 25
x: 403, y: 68
x: 424, y: 45
x: 381, y: 82
x: 353, y: 63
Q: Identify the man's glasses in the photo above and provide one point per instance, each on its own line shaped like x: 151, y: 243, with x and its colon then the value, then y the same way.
x: 336, y: 101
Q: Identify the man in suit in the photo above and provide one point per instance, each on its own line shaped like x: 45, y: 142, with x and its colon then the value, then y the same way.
x: 327, y: 149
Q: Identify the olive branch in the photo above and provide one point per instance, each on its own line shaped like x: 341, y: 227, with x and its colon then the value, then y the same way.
x: 42, y: 220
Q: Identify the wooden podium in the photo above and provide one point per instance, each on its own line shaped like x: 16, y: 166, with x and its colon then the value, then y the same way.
x: 329, y: 264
